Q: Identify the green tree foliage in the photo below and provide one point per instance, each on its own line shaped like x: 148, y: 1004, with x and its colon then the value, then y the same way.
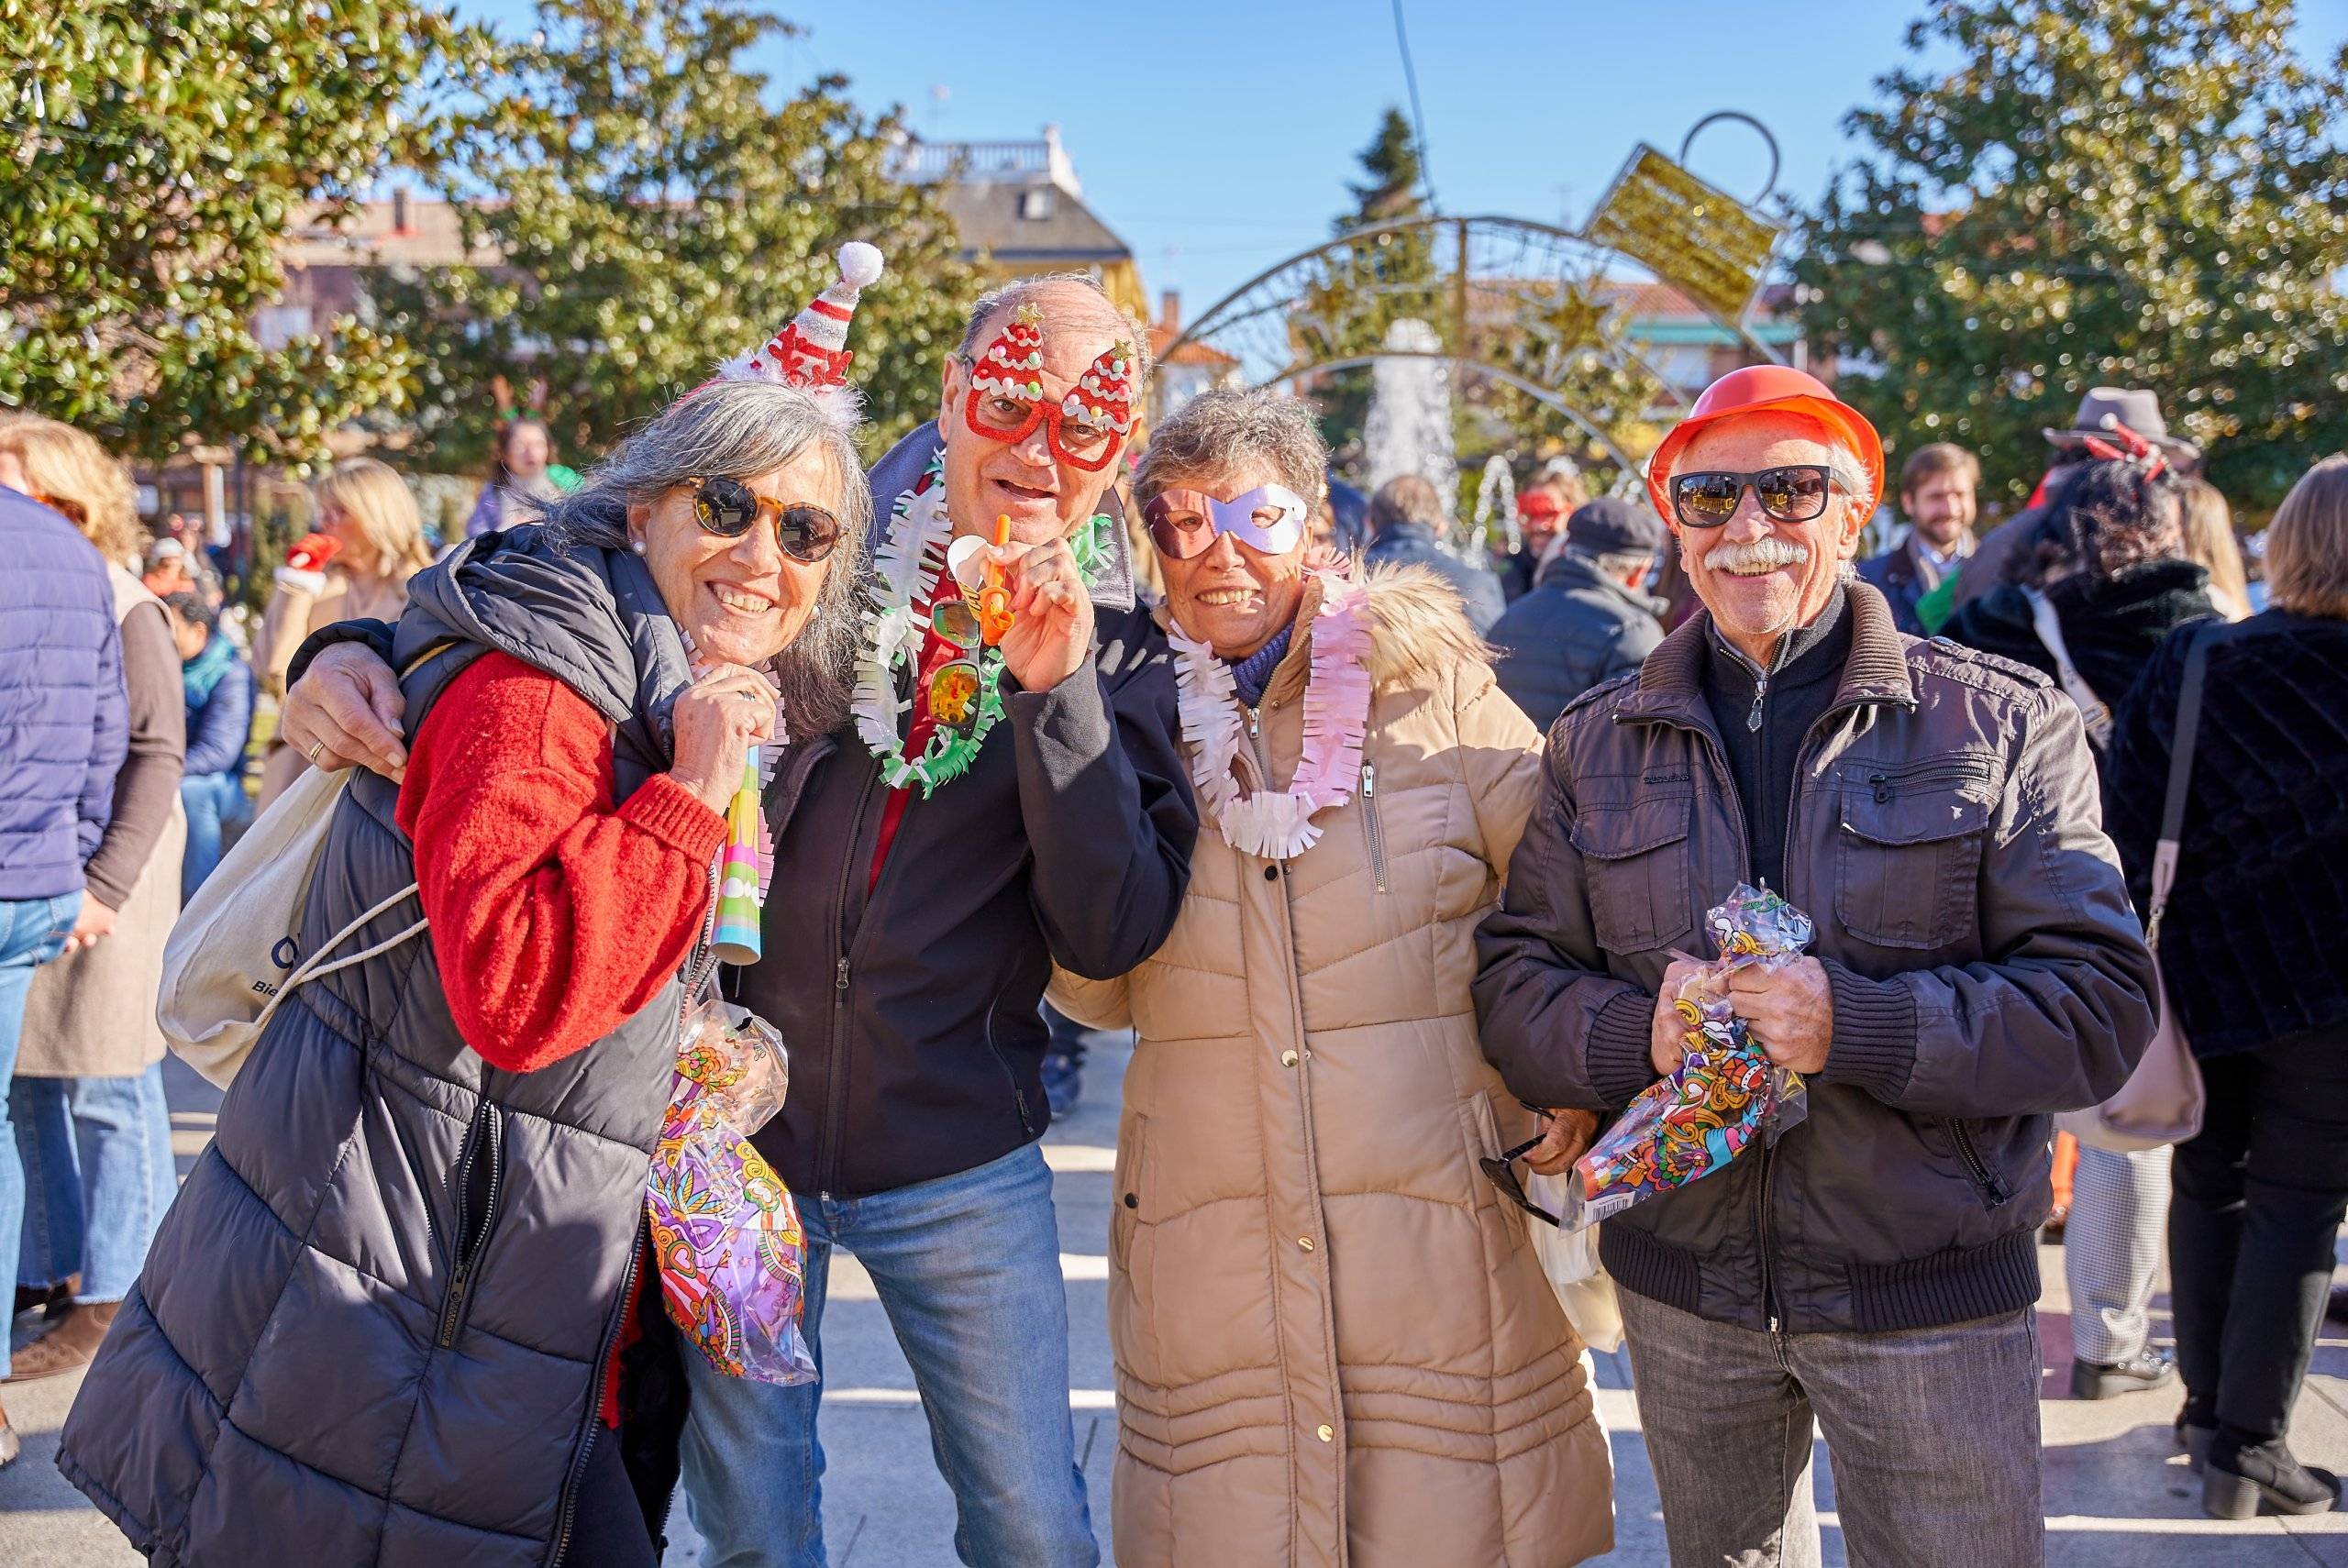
x: 2148, y: 193
x: 1366, y: 287
x: 651, y: 216
x: 153, y: 155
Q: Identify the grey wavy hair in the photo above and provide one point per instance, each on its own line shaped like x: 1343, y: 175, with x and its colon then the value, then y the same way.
x: 1217, y: 431
x: 1009, y: 296
x: 742, y: 428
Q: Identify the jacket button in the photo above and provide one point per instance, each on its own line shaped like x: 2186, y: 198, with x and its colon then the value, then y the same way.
x: 1288, y: 1058
x: 1326, y: 1432
x: 1271, y: 873
x: 1131, y: 1201
x: 1305, y: 1242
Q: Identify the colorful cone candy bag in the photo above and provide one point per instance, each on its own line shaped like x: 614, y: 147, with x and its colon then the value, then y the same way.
x: 724, y: 1227
x: 1724, y: 1096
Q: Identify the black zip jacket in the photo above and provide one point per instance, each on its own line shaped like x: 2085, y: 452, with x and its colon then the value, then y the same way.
x: 910, y: 1011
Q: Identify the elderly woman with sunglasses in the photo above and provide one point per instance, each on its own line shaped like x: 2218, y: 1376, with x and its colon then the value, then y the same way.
x: 386, y: 1320
x: 1334, y: 1342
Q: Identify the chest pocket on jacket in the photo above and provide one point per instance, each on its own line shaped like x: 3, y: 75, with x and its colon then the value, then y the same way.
x: 1908, y: 850
x: 1635, y: 863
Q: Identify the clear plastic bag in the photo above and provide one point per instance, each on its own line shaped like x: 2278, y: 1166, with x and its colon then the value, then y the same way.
x: 1726, y: 1096
x: 732, y: 1255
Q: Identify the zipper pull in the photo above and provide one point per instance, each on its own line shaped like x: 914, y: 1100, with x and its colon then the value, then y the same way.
x: 839, y: 976
x: 1369, y: 780
x: 1760, y: 694
x: 1251, y: 720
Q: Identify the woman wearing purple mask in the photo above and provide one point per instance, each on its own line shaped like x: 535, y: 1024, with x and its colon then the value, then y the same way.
x: 1334, y: 1340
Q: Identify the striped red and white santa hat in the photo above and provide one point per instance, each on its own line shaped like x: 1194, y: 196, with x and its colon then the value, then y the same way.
x: 811, y: 352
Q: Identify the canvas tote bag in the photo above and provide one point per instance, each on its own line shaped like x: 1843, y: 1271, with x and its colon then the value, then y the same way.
x: 2162, y: 1101
x: 235, y: 953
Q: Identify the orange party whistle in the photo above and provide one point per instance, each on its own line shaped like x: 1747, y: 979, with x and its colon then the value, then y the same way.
x: 994, y: 599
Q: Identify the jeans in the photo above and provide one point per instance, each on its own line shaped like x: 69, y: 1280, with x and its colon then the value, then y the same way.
x: 98, y: 1176
x: 2119, y: 1212
x: 968, y: 1269
x: 215, y: 802
x: 32, y: 932
x: 2259, y: 1197
x: 1933, y: 1433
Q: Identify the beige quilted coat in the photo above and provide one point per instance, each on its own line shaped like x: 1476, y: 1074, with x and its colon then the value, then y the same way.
x: 1333, y: 1342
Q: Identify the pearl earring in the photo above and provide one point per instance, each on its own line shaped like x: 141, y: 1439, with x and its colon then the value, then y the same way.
x: 637, y: 544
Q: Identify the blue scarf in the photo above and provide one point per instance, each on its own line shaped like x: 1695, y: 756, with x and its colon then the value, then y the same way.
x: 1252, y: 674
x: 203, y: 672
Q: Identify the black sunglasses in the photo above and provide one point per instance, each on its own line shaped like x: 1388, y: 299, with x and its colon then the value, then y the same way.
x: 726, y: 507
x: 1794, y: 493
x: 1502, y: 1173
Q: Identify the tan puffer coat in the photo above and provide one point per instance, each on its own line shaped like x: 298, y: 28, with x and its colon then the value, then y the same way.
x: 1334, y: 1344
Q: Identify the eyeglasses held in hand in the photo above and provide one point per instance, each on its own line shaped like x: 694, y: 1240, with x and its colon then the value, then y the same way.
x: 1502, y: 1173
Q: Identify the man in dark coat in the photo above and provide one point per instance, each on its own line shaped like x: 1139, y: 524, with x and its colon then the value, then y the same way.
x: 1976, y: 967
x: 1937, y: 493
x: 1585, y: 622
x: 1406, y: 524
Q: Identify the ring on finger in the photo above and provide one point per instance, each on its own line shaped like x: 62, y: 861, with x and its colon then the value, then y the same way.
x: 316, y: 746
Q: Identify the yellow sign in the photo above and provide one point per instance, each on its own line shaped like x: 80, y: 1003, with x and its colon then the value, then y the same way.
x: 1695, y: 237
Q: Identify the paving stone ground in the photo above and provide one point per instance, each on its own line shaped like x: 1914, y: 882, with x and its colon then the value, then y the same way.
x: 2118, y: 1495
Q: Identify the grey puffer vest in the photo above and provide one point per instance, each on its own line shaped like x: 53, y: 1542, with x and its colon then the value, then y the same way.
x: 373, y: 1327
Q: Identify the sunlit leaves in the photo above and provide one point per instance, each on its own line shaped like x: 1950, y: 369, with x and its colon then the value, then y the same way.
x: 152, y: 156
x: 654, y: 215
x: 2138, y: 192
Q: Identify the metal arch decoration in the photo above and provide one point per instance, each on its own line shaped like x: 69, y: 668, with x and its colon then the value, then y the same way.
x: 1528, y: 304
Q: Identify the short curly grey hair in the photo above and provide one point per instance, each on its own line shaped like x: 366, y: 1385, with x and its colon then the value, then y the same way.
x: 1220, y: 430
x: 741, y: 428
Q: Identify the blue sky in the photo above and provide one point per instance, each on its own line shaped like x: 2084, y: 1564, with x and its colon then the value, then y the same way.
x: 1217, y: 136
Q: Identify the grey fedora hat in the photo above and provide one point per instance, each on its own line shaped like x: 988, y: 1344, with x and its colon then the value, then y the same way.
x: 2138, y: 408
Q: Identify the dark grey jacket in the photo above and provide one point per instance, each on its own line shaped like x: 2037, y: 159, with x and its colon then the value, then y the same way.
x: 1577, y: 628
x: 1986, y: 971
x: 373, y: 1327
x: 1408, y: 544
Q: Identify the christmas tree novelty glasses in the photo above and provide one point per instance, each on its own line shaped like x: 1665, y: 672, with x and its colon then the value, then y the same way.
x: 1085, y: 428
x: 726, y: 507
x: 1794, y: 493
x: 1268, y: 520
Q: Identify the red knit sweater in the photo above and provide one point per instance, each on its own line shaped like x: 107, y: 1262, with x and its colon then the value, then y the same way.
x: 555, y: 916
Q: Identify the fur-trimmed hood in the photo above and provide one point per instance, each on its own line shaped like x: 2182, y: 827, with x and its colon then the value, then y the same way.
x: 1417, y: 627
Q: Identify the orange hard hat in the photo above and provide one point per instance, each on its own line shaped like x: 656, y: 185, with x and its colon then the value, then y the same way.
x: 1774, y: 388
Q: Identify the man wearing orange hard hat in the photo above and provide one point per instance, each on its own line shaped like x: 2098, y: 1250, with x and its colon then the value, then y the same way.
x: 1974, y: 967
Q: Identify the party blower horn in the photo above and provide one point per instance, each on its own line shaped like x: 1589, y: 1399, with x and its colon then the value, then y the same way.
x: 735, y: 940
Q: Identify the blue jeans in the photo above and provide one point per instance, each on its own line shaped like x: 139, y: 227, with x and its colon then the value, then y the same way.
x: 215, y: 802
x: 968, y: 1268
x: 32, y: 932
x: 98, y: 1176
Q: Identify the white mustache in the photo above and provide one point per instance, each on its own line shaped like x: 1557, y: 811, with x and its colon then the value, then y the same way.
x: 1761, y: 555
